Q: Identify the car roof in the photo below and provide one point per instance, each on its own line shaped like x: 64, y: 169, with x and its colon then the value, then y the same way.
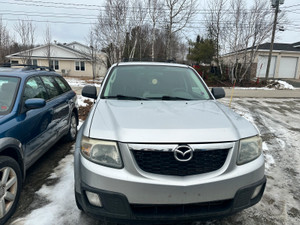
x: 23, y: 72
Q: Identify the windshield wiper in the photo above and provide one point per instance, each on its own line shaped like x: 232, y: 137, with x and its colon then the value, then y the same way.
x: 166, y: 97
x: 124, y: 97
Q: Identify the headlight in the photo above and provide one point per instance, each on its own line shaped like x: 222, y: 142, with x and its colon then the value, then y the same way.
x: 102, y: 152
x: 249, y: 149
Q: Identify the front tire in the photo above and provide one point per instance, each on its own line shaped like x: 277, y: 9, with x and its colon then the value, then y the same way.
x: 71, y: 136
x: 10, y: 187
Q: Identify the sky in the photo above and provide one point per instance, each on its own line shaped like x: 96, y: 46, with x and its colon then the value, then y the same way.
x: 71, y: 20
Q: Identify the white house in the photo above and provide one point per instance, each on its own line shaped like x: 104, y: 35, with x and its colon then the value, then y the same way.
x: 284, y: 62
x: 73, y: 59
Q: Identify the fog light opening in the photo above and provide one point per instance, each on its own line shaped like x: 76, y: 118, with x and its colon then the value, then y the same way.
x: 256, y: 191
x: 94, y: 199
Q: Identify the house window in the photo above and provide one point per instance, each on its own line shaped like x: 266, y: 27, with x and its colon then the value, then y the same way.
x: 34, y: 62
x: 14, y: 62
x: 79, y: 66
x: 54, y: 64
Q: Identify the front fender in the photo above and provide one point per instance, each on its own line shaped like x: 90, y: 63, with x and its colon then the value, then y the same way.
x: 77, y: 163
x: 12, y: 147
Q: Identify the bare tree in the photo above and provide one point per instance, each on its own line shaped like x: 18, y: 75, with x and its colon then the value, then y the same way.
x: 155, y: 12
x: 249, y: 28
x: 26, y: 32
x: 215, y: 25
x: 178, y: 15
x: 236, y: 28
x: 5, y: 42
x: 94, y: 54
x: 111, y: 29
x: 258, y: 29
x: 47, y: 41
x: 138, y: 14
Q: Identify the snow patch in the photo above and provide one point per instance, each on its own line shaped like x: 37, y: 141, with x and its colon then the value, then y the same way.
x: 281, y: 85
x: 81, y: 99
x: 62, y: 207
x: 80, y: 124
x: 269, y: 160
x: 265, y: 146
x: 74, y: 82
x: 281, y: 143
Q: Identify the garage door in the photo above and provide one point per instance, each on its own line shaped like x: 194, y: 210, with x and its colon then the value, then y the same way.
x: 262, y: 66
x: 288, y: 67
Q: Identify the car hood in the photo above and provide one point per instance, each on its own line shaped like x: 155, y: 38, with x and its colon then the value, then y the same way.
x: 166, y: 122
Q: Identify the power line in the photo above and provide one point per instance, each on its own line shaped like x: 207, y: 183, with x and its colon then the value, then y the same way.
x: 60, y: 5
x: 47, y: 13
x: 44, y: 21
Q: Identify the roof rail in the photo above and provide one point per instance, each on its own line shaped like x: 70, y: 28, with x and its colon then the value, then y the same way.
x: 5, y: 65
x: 33, y: 67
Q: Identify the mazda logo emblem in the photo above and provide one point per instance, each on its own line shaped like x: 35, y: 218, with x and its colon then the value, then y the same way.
x: 183, y: 153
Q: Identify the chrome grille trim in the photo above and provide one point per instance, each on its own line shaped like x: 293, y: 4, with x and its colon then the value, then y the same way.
x: 171, y: 147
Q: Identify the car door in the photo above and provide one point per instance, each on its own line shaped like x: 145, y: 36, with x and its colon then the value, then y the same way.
x: 37, y: 125
x: 60, y: 104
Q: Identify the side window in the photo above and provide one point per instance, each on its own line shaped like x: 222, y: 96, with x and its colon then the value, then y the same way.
x: 51, y: 87
x: 54, y: 64
x: 79, y: 66
x: 34, y: 88
x: 62, y: 84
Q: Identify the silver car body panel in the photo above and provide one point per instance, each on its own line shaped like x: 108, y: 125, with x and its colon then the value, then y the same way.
x: 166, y: 122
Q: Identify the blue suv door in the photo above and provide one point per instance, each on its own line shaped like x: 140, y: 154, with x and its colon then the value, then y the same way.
x: 61, y: 103
x: 38, y: 125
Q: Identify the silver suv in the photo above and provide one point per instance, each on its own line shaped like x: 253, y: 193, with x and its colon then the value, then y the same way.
x: 158, y: 147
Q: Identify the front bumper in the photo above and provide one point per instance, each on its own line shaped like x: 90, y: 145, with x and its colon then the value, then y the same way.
x: 129, y: 194
x: 117, y: 208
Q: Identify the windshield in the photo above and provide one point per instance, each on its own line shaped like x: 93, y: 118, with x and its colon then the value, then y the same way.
x: 154, y: 82
x: 8, y: 90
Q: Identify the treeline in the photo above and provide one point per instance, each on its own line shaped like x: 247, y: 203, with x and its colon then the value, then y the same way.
x: 128, y: 30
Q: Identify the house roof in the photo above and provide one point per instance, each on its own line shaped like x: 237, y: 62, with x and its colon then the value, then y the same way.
x: 57, y: 51
x: 294, y: 47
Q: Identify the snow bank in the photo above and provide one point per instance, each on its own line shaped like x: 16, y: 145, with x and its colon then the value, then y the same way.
x: 280, y: 85
x: 62, y: 207
x: 77, y: 82
x: 81, y: 100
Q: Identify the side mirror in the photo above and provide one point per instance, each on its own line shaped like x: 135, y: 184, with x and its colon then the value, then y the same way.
x: 218, y: 92
x: 35, y: 103
x: 89, y: 91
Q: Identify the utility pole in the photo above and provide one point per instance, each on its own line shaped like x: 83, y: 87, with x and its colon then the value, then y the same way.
x: 275, y: 3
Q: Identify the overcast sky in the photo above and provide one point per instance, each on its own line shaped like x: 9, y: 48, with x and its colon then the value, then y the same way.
x: 70, y: 20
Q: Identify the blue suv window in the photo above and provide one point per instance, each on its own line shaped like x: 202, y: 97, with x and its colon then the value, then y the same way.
x: 51, y: 86
x: 34, y: 88
x: 62, y: 84
x: 8, y: 89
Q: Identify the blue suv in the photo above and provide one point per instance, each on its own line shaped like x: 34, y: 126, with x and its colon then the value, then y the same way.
x: 37, y: 108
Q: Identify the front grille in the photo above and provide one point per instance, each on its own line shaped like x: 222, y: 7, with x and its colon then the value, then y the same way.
x: 164, y: 163
x: 178, y: 210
